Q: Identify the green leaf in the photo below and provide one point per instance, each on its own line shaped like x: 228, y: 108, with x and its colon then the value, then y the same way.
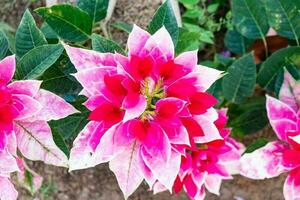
x: 236, y: 43
x: 194, y: 13
x: 70, y: 126
x: 187, y: 41
x: 3, y: 45
x: 164, y: 16
x: 48, y: 31
x: 123, y: 26
x: 249, y: 118
x: 213, y: 7
x: 271, y: 67
x: 6, y: 27
x: 249, y: 17
x: 28, y: 36
x: 284, y: 17
x: 60, y: 143
x: 189, y: 2
x: 28, y: 182
x: 224, y: 61
x: 240, y: 81
x: 11, y: 42
x: 69, y: 22
x: 259, y: 143
x: 207, y: 37
x: 103, y: 45
x: 95, y: 8
x: 292, y: 69
x: 216, y: 91
x: 58, y: 79
x: 34, y: 63
x: 278, y: 82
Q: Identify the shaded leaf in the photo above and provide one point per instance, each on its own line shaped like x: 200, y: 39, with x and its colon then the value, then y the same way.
x: 60, y: 143
x: 236, y: 43
x: 70, y: 126
x: 248, y: 118
x: 58, y: 79
x: 239, y: 83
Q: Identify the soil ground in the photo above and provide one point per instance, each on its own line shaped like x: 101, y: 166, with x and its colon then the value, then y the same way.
x: 99, y: 183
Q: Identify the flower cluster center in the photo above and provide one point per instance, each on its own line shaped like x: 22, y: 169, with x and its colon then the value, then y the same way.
x: 153, y: 91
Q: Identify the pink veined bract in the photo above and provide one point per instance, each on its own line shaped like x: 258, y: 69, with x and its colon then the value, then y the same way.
x: 282, y: 155
x: 25, y: 109
x: 147, y: 108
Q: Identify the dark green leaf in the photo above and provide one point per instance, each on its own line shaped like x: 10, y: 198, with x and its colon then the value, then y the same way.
x: 58, y: 79
x: 249, y: 17
x: 239, y: 83
x: 249, y: 117
x: 123, y: 26
x: 292, y: 69
x: 3, y: 45
x: 216, y: 91
x: 95, y: 8
x: 69, y: 22
x: 11, y: 42
x: 284, y: 17
x: 164, y: 16
x: 256, y: 145
x: 278, y: 82
x: 34, y: 63
x: 223, y: 62
x: 48, y: 31
x: 271, y: 67
x: 70, y: 126
x: 236, y: 43
x: 101, y: 44
x: 59, y: 141
x: 28, y: 35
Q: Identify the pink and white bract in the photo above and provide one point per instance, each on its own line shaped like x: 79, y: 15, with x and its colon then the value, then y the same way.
x: 206, y: 167
x: 24, y: 112
x: 282, y: 155
x: 145, y: 109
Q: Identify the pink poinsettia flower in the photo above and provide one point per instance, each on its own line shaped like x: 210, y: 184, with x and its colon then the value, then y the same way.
x: 24, y: 112
x: 282, y: 155
x: 209, y: 164
x: 145, y: 109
